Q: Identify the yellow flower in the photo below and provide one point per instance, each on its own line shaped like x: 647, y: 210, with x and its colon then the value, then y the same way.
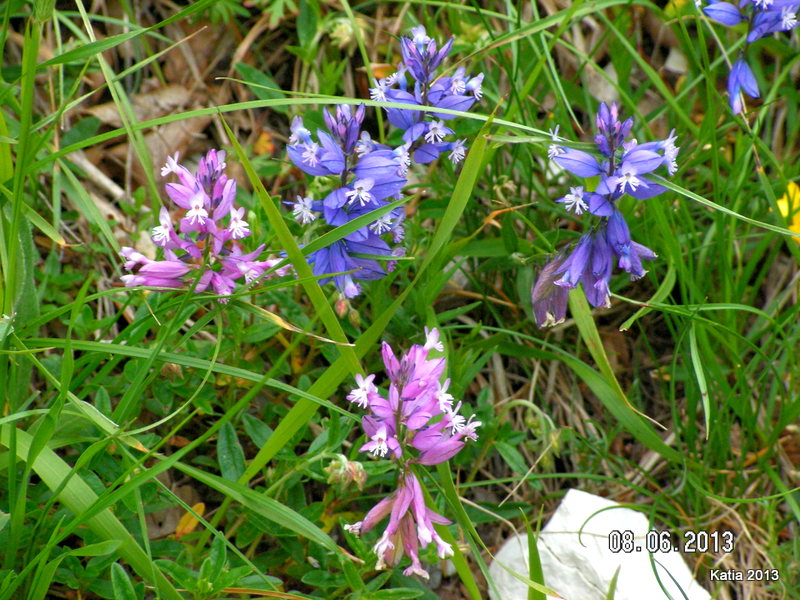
x: 789, y: 205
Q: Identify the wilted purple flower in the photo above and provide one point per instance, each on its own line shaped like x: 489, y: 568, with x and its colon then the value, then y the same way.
x: 426, y: 132
x: 624, y: 167
x: 763, y: 17
x: 410, y: 527
x: 415, y: 423
x: 209, y: 232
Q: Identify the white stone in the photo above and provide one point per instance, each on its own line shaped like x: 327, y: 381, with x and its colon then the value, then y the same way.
x: 676, y: 62
x: 577, y: 562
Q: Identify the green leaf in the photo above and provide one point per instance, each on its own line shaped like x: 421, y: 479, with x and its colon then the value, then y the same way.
x: 123, y: 587
x: 98, y: 549
x: 184, y: 577
x: 6, y: 164
x: 46, y: 228
x: 307, y: 22
x: 229, y: 453
x: 256, y: 429
x: 262, y: 84
x: 512, y: 456
x: 699, y: 372
x: 217, y: 558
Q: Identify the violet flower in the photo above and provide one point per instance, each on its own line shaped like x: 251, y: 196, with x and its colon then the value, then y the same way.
x: 425, y: 132
x: 415, y: 423
x: 207, y: 239
x: 624, y: 167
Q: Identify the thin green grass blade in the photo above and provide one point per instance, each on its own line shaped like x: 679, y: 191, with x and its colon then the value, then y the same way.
x: 662, y: 292
x: 535, y: 572
x: 591, y: 337
x: 700, y: 200
x: 22, y: 168
x: 653, y: 77
x: 87, y: 207
x: 612, y: 586
x: 451, y: 495
x: 459, y: 560
x: 306, y: 100
x: 6, y: 165
x: 95, y: 47
x: 699, y: 373
x: 179, y: 359
x: 125, y: 110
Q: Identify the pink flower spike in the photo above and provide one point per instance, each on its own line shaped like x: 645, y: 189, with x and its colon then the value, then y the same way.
x: 424, y: 526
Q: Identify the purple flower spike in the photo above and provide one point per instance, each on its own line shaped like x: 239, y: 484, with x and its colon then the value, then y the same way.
x: 425, y: 132
x: 416, y: 424
x: 624, y: 167
x: 368, y: 176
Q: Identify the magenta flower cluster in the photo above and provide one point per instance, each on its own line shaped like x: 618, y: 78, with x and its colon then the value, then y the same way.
x: 206, y: 246
x: 624, y: 167
x: 417, y: 422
